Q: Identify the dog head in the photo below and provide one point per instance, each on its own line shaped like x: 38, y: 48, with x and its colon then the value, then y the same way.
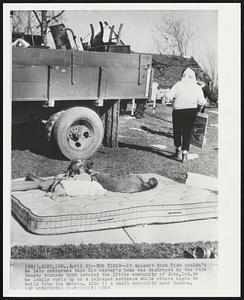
x: 153, y: 182
x: 79, y: 166
x: 88, y: 164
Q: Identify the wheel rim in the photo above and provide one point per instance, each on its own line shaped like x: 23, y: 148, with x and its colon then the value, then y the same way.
x: 80, y: 135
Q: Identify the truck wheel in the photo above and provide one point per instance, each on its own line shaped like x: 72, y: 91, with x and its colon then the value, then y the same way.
x: 50, y: 123
x: 111, y: 124
x: 78, y: 132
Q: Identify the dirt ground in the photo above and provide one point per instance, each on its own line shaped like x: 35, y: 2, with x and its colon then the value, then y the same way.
x: 135, y: 154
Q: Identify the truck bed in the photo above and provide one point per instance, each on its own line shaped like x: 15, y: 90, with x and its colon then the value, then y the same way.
x: 49, y: 74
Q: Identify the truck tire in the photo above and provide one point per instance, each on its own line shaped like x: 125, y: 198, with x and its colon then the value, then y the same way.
x: 111, y: 123
x: 78, y: 132
x: 50, y: 123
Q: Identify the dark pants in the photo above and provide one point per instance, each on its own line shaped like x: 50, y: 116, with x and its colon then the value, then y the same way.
x: 123, y: 106
x: 183, y: 122
x: 140, y: 107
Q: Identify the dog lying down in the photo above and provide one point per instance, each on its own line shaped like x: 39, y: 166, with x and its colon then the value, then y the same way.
x: 79, y: 180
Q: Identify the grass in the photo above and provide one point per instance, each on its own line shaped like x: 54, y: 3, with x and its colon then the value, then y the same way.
x: 31, y: 153
x: 109, y: 251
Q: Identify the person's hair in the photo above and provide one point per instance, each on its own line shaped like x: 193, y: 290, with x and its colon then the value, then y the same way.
x: 183, y: 72
x: 199, y: 76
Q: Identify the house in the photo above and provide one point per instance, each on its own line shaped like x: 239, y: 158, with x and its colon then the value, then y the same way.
x: 168, y: 69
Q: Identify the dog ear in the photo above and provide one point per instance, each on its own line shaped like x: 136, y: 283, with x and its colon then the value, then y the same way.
x: 88, y: 164
x: 91, y: 163
x: 75, y: 165
x: 76, y: 161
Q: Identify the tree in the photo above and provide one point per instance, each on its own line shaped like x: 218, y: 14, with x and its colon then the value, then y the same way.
x: 175, y: 36
x: 35, y: 22
x: 210, y: 67
x: 21, y: 21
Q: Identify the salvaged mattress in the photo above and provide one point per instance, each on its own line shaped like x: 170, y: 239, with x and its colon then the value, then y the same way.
x: 169, y: 202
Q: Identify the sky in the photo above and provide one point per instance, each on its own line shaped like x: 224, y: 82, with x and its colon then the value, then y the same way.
x: 138, y: 26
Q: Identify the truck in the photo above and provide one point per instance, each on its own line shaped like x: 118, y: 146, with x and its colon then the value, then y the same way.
x: 76, y: 94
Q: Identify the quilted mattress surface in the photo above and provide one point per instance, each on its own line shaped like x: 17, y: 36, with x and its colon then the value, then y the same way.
x: 167, y: 203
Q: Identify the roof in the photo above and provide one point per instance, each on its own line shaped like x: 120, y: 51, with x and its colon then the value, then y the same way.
x: 168, y: 69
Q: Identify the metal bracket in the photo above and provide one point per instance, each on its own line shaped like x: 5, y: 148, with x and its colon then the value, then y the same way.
x: 150, y: 72
x: 139, y: 70
x: 100, y: 73
x: 50, y: 102
x: 72, y: 67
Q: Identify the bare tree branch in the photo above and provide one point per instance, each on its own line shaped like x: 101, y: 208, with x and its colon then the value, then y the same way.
x: 37, y: 17
x: 209, y: 65
x: 58, y: 15
x: 31, y: 22
x: 176, y: 35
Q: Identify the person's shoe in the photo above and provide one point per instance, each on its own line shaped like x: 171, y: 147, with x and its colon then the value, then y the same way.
x: 138, y: 116
x: 177, y: 154
x: 184, y: 157
x: 122, y: 112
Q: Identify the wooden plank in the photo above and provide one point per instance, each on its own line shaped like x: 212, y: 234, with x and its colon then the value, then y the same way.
x: 120, y: 74
x: 106, y: 59
x: 143, y: 64
x: 122, y: 83
x: 35, y: 56
x: 29, y: 82
x: 29, y: 90
x: 31, y: 99
x: 124, y: 90
x: 115, y: 83
x: 109, y: 59
x: 85, y: 83
x: 23, y: 73
x: 119, y: 49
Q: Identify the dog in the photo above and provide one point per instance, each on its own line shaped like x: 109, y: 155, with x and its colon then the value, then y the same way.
x: 81, y: 170
x: 132, y: 183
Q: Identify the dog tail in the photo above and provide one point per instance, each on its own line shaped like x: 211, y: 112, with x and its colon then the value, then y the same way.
x: 152, y: 182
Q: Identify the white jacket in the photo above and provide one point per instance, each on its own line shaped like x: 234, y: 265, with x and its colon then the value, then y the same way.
x: 187, y: 93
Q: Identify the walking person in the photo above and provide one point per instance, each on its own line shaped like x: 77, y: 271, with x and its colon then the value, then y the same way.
x: 188, y: 99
